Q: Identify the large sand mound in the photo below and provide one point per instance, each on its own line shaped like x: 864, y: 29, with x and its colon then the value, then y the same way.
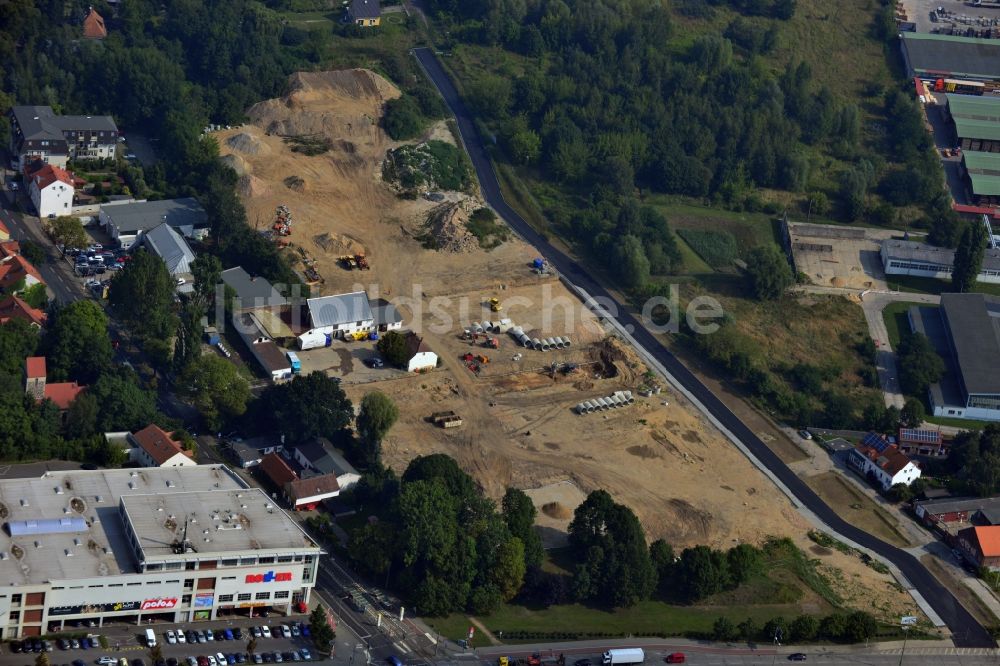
x: 247, y: 143
x: 345, y: 103
x: 236, y: 163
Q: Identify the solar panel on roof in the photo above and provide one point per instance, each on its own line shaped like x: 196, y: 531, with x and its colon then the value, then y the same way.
x: 46, y: 526
x: 875, y: 441
x: 920, y: 436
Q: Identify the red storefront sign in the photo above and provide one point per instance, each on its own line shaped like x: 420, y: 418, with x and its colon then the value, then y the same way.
x: 163, y: 603
x: 270, y: 577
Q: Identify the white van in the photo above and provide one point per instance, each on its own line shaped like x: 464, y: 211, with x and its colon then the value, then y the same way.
x: 150, y: 638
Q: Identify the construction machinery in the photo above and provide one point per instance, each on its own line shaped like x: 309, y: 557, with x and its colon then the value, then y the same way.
x: 359, y: 335
x: 492, y: 343
x: 495, y: 304
x: 282, y: 221
x: 362, y: 262
x: 348, y: 261
x: 483, y: 359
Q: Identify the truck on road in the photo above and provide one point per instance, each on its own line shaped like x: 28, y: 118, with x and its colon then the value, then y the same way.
x: 620, y: 656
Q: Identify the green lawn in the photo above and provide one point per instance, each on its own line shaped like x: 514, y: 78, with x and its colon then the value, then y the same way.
x: 896, y: 322
x: 925, y: 285
x: 968, y: 424
x: 643, y: 619
x: 693, y: 264
x: 750, y: 229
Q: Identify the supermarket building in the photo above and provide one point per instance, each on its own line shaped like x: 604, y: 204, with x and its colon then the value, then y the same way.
x: 172, y: 544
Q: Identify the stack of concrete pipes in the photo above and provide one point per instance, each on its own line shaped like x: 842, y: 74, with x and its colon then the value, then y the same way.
x: 540, y: 344
x: 501, y: 326
x: 613, y: 401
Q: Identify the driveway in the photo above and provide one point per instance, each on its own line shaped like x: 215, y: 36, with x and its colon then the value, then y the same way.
x: 966, y: 630
x: 873, y: 303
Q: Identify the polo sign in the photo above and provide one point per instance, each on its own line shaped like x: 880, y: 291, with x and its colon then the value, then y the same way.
x: 159, y: 604
x: 270, y: 577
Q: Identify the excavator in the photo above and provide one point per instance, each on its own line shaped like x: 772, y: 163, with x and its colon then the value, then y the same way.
x: 495, y: 304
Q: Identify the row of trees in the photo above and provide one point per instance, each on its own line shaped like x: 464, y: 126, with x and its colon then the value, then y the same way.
x: 837, y: 627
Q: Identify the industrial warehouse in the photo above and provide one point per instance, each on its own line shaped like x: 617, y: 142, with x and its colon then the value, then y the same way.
x: 172, y: 544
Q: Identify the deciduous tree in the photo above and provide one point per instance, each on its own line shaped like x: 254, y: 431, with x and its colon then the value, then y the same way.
x: 769, y: 272
x: 215, y: 387
x: 377, y: 415
x: 519, y: 513
x: 68, y: 232
x: 77, y: 344
x: 969, y: 257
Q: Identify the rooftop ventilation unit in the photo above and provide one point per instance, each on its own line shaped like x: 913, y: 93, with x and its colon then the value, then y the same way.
x: 46, y: 526
x: 59, y: 490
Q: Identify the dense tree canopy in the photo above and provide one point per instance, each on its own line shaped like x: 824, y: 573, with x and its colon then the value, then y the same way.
x: 309, y: 406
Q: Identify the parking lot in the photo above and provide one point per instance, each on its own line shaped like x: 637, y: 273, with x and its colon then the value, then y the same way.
x: 215, y: 645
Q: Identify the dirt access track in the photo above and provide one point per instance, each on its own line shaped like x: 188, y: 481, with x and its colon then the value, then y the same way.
x: 659, y: 456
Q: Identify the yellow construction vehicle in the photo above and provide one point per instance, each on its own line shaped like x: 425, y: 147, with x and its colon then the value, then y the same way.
x: 495, y: 305
x: 359, y: 335
x: 483, y: 359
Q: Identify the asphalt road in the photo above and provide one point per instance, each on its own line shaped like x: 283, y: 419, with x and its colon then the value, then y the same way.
x: 55, y: 271
x: 966, y: 631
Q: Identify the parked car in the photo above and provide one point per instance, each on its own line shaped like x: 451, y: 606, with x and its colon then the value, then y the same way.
x: 306, y: 654
x: 221, y: 658
x: 202, y: 660
x: 179, y: 635
x: 170, y: 636
x: 277, y: 657
x: 257, y: 659
x: 209, y: 636
x: 228, y: 633
x: 75, y: 644
x: 237, y: 633
x: 106, y: 661
x: 286, y: 631
x: 675, y: 658
x: 16, y: 647
x: 805, y: 434
x: 256, y: 632
x: 47, y: 646
x: 797, y: 656
x: 267, y: 657
x: 212, y: 661
x: 306, y: 632
x: 265, y: 631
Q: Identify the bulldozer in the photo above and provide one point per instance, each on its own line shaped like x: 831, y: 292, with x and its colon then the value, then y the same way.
x: 492, y: 343
x: 349, y: 262
x: 495, y: 304
x: 483, y: 359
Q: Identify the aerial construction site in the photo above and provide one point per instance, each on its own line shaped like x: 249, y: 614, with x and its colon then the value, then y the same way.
x: 532, y: 390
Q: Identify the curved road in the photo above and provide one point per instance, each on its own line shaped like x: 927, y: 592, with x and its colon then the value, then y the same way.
x: 966, y: 630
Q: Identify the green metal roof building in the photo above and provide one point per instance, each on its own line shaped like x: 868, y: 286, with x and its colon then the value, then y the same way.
x: 977, y: 121
x: 983, y: 171
x: 935, y: 56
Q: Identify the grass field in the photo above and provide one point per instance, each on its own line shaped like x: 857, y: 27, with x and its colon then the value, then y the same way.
x: 896, y: 323
x: 924, y: 285
x: 857, y: 509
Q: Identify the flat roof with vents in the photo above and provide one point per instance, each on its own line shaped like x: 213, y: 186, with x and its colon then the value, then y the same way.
x: 230, y: 522
x: 35, y: 541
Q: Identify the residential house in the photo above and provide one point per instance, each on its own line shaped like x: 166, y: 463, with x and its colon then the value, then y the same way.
x: 38, y: 133
x: 126, y: 223
x: 164, y: 241
x: 16, y: 272
x: 981, y: 546
x: 62, y: 394
x: 93, y: 25
x: 154, y: 447
x: 51, y: 191
x: 13, y: 307
x: 420, y: 356
x: 340, y: 316
x: 921, y: 442
x: 270, y: 357
x: 304, y: 492
x: 951, y: 510
x: 320, y: 457
x: 366, y: 13
x: 250, y: 452
x: 386, y: 316
x: 883, y: 462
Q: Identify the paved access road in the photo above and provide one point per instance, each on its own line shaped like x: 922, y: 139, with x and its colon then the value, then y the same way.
x: 966, y: 631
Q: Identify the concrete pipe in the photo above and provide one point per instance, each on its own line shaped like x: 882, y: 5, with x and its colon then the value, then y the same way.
x: 590, y: 406
x: 545, y: 345
x: 525, y: 341
x: 605, y: 405
x: 580, y: 409
x: 477, y: 327
x: 515, y: 331
x: 616, y: 402
x: 628, y: 397
x: 587, y: 407
x: 596, y: 402
x: 561, y: 343
x: 551, y: 342
x: 536, y: 344
x: 566, y: 342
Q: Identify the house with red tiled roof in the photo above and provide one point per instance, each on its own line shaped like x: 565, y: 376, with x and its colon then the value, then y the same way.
x: 302, y: 492
x: 419, y: 355
x: 14, y: 307
x: 154, y: 447
x: 881, y: 461
x: 981, y: 546
x: 51, y: 190
x: 16, y: 272
x: 62, y: 394
x: 93, y: 25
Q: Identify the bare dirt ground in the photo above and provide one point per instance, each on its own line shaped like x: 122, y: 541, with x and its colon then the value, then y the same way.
x: 659, y: 456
